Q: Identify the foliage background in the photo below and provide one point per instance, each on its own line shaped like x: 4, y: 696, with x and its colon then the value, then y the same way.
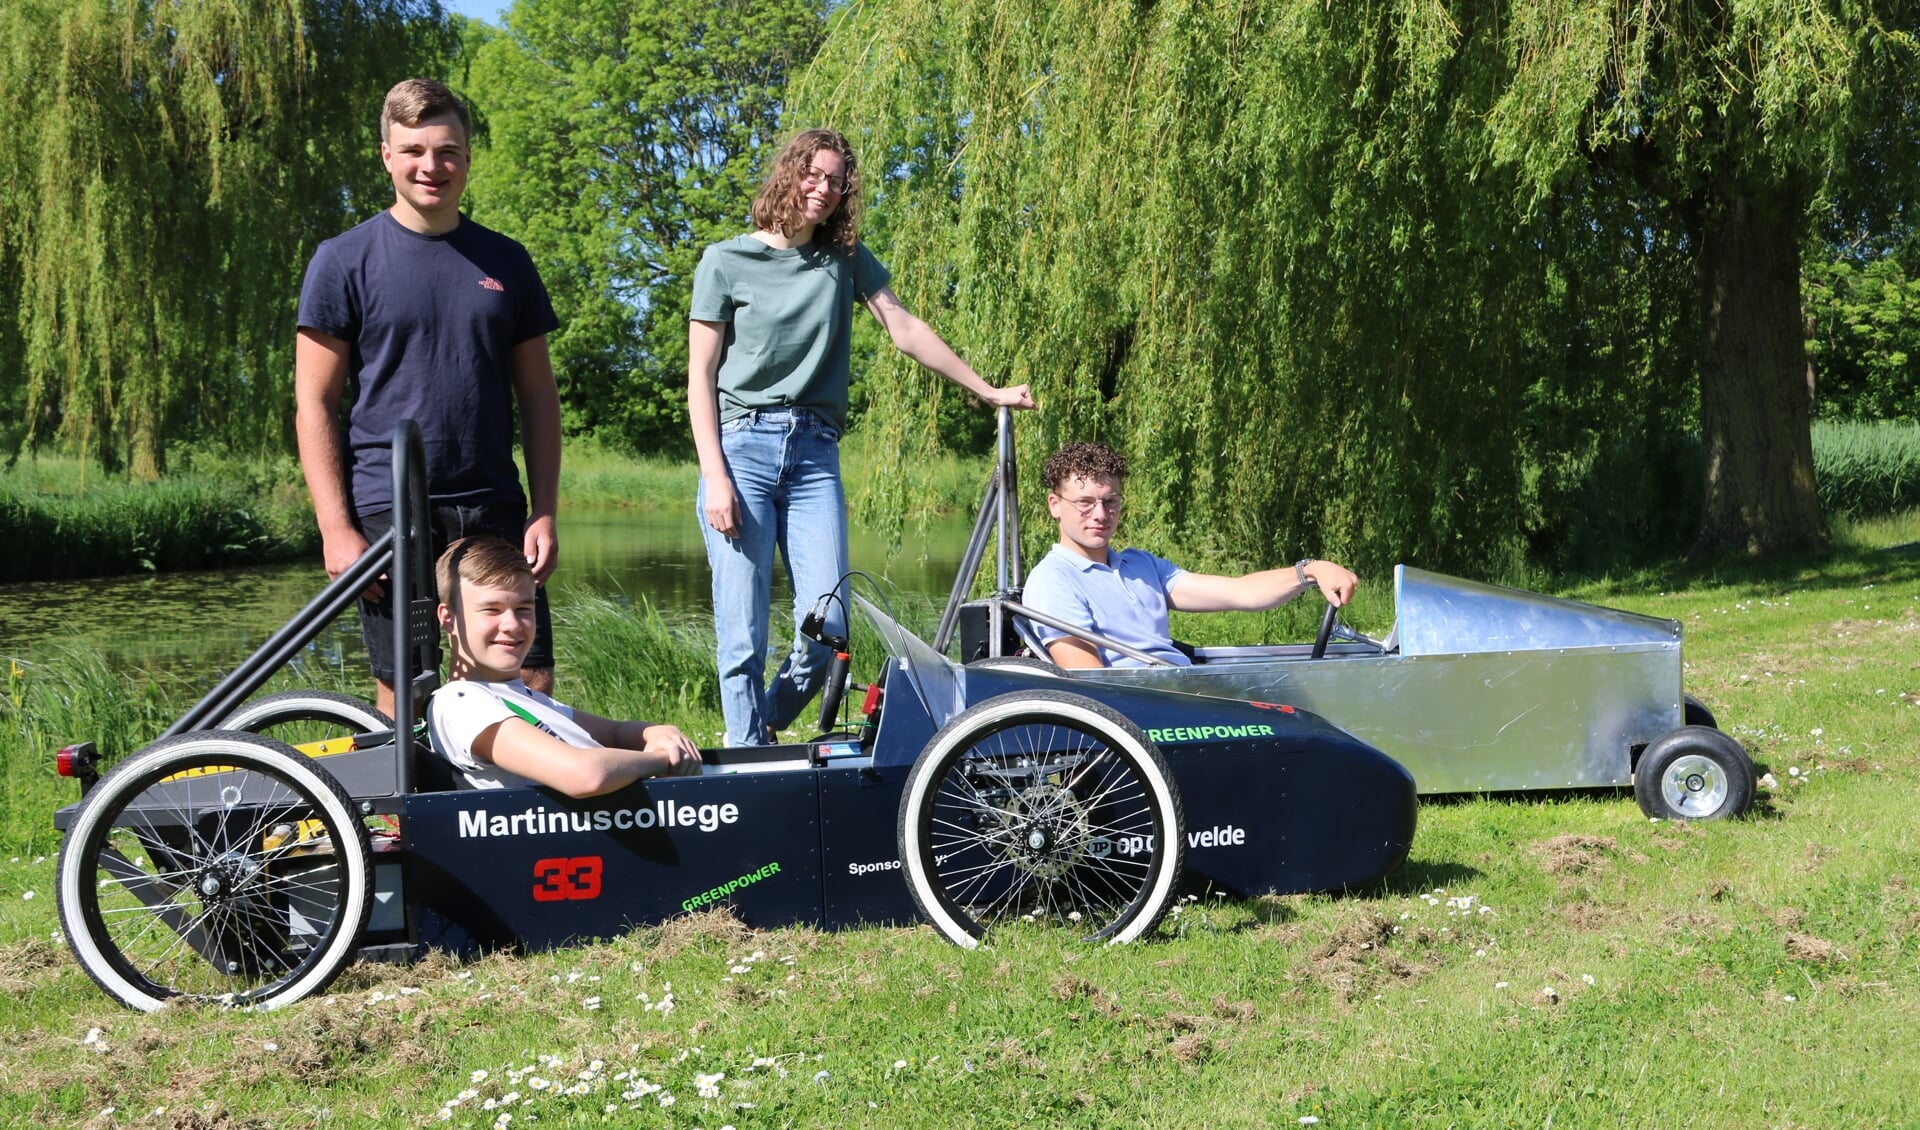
x: 1349, y: 280
x: 169, y: 170
x: 1389, y: 281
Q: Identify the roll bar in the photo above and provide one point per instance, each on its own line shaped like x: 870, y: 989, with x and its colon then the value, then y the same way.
x: 1000, y: 515
x: 401, y: 554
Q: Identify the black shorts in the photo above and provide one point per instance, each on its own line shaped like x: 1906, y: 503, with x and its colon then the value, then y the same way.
x: 449, y: 524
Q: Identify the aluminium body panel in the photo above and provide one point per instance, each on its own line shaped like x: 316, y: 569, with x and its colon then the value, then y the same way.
x: 1490, y: 689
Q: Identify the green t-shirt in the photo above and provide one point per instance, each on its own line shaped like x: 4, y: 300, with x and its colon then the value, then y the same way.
x: 789, y: 318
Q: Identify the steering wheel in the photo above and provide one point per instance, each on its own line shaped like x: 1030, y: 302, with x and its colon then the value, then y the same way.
x: 1326, y: 632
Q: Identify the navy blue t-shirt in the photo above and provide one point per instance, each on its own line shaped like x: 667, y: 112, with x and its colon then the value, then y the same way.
x: 430, y: 323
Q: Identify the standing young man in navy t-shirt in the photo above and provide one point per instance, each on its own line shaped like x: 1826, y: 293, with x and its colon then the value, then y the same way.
x: 422, y: 314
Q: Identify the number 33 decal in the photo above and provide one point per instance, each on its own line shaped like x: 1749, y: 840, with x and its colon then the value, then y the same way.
x: 558, y: 879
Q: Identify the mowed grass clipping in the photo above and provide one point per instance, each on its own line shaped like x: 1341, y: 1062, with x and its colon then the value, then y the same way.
x: 1538, y: 961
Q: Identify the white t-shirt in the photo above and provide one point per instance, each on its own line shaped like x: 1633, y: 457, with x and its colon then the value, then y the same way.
x: 461, y: 710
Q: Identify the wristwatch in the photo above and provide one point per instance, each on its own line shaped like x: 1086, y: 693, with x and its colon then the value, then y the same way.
x: 1300, y: 571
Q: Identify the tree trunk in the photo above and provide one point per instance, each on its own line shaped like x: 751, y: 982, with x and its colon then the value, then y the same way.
x: 1754, y: 420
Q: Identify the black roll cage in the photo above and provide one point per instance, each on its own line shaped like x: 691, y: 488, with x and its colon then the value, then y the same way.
x: 401, y: 555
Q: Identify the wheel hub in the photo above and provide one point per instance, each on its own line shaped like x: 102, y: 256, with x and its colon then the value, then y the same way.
x: 1695, y: 786
x: 221, y: 880
x: 1049, y: 828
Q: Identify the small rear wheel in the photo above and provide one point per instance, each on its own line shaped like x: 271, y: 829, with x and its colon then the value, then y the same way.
x: 215, y: 866
x: 1042, y: 808
x: 1694, y: 773
x: 301, y: 717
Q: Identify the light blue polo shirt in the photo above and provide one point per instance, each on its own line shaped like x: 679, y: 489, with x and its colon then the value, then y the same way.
x: 1124, y: 600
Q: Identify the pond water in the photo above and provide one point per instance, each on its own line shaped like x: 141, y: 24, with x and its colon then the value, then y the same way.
x: 193, y: 624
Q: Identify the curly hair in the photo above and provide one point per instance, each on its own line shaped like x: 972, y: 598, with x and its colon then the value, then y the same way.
x: 1083, y: 461
x: 777, y: 206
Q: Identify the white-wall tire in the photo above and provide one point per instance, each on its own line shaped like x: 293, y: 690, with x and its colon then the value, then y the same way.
x: 1043, y: 808
x: 215, y: 866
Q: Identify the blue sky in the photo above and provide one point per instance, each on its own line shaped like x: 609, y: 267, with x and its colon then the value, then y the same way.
x: 488, y: 10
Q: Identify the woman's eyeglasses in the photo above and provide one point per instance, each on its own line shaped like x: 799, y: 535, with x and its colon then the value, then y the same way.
x: 813, y: 176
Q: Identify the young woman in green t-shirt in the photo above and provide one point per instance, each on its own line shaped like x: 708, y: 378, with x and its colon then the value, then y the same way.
x: 767, y: 375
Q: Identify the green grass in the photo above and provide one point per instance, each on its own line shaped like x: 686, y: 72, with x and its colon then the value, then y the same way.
x: 62, y: 523
x: 1762, y: 972
x: 1866, y: 469
x: 593, y: 475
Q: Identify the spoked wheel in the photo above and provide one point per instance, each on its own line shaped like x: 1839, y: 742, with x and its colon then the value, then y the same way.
x: 215, y: 866
x: 1041, y: 807
x: 299, y: 717
x: 1693, y: 773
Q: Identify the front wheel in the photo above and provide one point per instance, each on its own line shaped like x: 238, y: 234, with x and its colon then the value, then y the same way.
x: 1043, y: 808
x: 215, y: 866
x: 1693, y: 773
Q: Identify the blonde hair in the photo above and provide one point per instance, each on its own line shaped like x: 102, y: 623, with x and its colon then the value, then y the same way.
x: 777, y: 207
x: 483, y: 560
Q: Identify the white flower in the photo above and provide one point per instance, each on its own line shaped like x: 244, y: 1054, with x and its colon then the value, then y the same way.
x: 1549, y: 992
x: 591, y: 1004
x: 1308, y: 1120
x: 92, y: 1037
x: 820, y: 1077
x: 479, y: 1076
x: 26, y: 896
x: 270, y: 1046
x: 1789, y: 998
x: 1587, y: 977
x: 1499, y: 984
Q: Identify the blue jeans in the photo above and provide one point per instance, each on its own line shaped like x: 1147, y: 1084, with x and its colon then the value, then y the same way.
x: 785, y: 465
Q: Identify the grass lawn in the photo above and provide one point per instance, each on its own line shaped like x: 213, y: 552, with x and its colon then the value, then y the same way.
x: 1556, y: 961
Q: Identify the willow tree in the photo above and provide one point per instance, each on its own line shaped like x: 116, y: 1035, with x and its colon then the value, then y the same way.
x: 170, y: 167
x: 1360, y: 278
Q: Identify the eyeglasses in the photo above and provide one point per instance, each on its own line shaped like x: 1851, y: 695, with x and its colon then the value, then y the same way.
x: 1084, y: 506
x: 813, y: 176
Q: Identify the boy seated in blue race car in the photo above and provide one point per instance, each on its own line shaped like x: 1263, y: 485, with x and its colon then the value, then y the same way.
x: 1124, y: 594
x: 498, y: 733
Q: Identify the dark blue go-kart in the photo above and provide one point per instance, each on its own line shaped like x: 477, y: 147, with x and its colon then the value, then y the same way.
x: 221, y: 863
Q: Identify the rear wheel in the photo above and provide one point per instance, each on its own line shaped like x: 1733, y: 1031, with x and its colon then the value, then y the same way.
x: 215, y: 866
x: 1041, y: 808
x: 1697, y: 714
x: 300, y: 717
x: 1693, y: 773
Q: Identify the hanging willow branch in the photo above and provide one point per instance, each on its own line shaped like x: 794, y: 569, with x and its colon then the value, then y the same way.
x: 1357, y: 280
x: 174, y: 165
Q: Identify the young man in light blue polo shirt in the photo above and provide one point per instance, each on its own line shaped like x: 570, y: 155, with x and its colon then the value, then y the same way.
x: 1124, y: 594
